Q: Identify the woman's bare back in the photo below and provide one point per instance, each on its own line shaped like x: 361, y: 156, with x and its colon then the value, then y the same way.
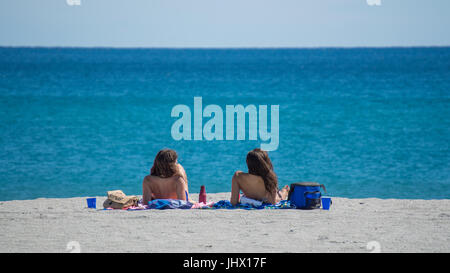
x: 253, y: 187
x: 154, y: 187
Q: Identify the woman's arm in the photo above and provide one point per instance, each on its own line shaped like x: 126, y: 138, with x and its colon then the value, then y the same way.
x: 182, y: 172
x: 181, y: 188
x: 146, y: 191
x: 235, y: 188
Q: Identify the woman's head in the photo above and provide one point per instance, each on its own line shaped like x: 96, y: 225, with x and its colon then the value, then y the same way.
x: 258, y: 163
x: 165, y: 164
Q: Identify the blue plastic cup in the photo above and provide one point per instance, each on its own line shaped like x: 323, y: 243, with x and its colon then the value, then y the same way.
x: 326, y: 203
x: 92, y: 202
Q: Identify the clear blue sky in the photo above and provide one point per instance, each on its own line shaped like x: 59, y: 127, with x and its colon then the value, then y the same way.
x: 224, y: 23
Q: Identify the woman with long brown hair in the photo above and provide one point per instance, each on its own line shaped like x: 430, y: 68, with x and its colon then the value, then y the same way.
x: 260, y: 183
x: 167, y: 179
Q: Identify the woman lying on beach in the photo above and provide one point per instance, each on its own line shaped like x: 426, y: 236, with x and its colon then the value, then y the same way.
x: 167, y: 179
x: 260, y: 183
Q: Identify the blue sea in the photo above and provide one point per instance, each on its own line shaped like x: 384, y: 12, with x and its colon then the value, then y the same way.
x: 366, y: 122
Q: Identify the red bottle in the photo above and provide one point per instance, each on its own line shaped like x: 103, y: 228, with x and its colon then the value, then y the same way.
x: 202, y: 195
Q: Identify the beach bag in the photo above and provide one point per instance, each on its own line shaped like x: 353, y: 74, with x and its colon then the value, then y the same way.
x: 306, y: 195
x: 118, y: 200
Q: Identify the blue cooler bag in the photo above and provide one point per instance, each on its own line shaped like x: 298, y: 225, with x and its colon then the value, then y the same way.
x: 306, y: 195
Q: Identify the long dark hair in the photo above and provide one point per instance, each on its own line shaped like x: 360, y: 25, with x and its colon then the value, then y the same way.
x: 164, y: 164
x: 258, y: 163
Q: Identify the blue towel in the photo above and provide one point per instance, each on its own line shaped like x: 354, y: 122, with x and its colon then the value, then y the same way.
x: 225, y: 204
x: 169, y: 204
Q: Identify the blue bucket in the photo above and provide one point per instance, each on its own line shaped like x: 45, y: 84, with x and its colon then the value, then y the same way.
x: 326, y: 203
x: 92, y: 202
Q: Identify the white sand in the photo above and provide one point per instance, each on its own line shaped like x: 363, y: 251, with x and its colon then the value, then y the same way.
x: 48, y: 225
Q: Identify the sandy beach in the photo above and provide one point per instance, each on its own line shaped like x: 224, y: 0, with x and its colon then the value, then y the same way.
x: 352, y: 225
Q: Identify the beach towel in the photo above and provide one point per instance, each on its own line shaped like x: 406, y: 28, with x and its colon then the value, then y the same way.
x: 118, y: 200
x: 225, y: 204
x: 169, y: 204
x: 202, y: 205
x: 163, y: 204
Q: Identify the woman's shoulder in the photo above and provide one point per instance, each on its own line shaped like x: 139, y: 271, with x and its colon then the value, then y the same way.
x: 243, y: 175
x: 153, y: 178
x: 149, y: 178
